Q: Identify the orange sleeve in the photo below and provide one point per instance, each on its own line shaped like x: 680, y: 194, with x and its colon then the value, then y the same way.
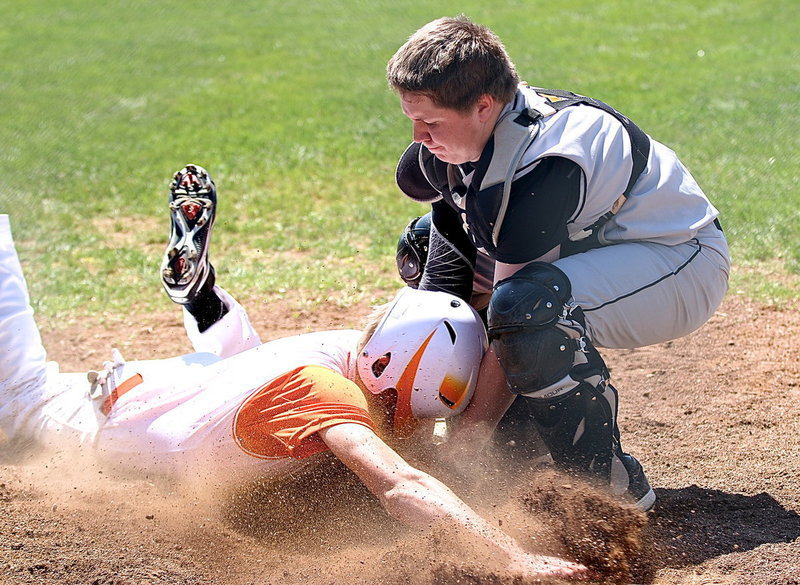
x: 282, y: 418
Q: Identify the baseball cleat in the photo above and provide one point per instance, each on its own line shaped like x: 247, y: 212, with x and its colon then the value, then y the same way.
x: 638, y: 490
x: 192, y: 205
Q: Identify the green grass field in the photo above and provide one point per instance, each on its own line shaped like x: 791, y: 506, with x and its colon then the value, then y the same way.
x: 286, y: 105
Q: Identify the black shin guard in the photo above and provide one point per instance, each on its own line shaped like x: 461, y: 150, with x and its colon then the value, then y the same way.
x: 580, y: 429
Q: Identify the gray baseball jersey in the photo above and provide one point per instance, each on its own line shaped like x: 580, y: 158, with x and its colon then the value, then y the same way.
x: 667, y: 269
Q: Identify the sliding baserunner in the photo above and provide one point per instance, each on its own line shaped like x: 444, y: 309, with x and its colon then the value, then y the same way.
x: 241, y: 410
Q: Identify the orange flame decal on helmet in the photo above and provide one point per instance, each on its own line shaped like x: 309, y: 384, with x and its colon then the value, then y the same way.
x: 404, y: 421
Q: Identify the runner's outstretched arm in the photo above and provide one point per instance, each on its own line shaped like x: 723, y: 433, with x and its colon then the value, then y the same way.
x: 418, y: 499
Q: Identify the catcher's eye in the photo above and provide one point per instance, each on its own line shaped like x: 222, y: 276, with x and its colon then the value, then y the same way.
x: 379, y: 365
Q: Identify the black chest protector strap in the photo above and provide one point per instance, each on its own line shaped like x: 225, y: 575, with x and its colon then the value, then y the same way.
x: 515, y: 131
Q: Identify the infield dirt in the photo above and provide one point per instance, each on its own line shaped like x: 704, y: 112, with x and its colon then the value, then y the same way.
x: 714, y: 417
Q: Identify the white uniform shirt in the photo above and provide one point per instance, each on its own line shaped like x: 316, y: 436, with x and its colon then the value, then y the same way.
x: 182, y: 413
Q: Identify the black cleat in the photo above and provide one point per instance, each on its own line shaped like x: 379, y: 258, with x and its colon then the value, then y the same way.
x: 632, y: 484
x: 192, y: 205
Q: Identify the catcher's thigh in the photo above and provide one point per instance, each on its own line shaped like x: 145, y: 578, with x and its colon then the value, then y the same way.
x: 640, y: 293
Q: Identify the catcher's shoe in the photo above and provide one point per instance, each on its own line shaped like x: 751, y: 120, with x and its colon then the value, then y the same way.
x: 192, y: 205
x: 638, y: 488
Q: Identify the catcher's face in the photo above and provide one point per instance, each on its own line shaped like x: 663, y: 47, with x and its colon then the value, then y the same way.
x: 452, y: 136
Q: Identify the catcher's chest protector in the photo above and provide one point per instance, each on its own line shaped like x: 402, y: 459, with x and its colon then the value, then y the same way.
x: 513, y: 134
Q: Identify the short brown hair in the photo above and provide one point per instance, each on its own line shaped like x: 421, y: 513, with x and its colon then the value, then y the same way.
x: 453, y: 61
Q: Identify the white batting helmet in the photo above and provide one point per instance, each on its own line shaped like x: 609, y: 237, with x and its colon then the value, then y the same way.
x: 428, y: 348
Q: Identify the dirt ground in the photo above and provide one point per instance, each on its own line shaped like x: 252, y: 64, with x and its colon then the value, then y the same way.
x: 714, y: 417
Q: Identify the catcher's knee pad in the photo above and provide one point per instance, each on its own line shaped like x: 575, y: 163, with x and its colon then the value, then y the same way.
x: 538, y: 335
